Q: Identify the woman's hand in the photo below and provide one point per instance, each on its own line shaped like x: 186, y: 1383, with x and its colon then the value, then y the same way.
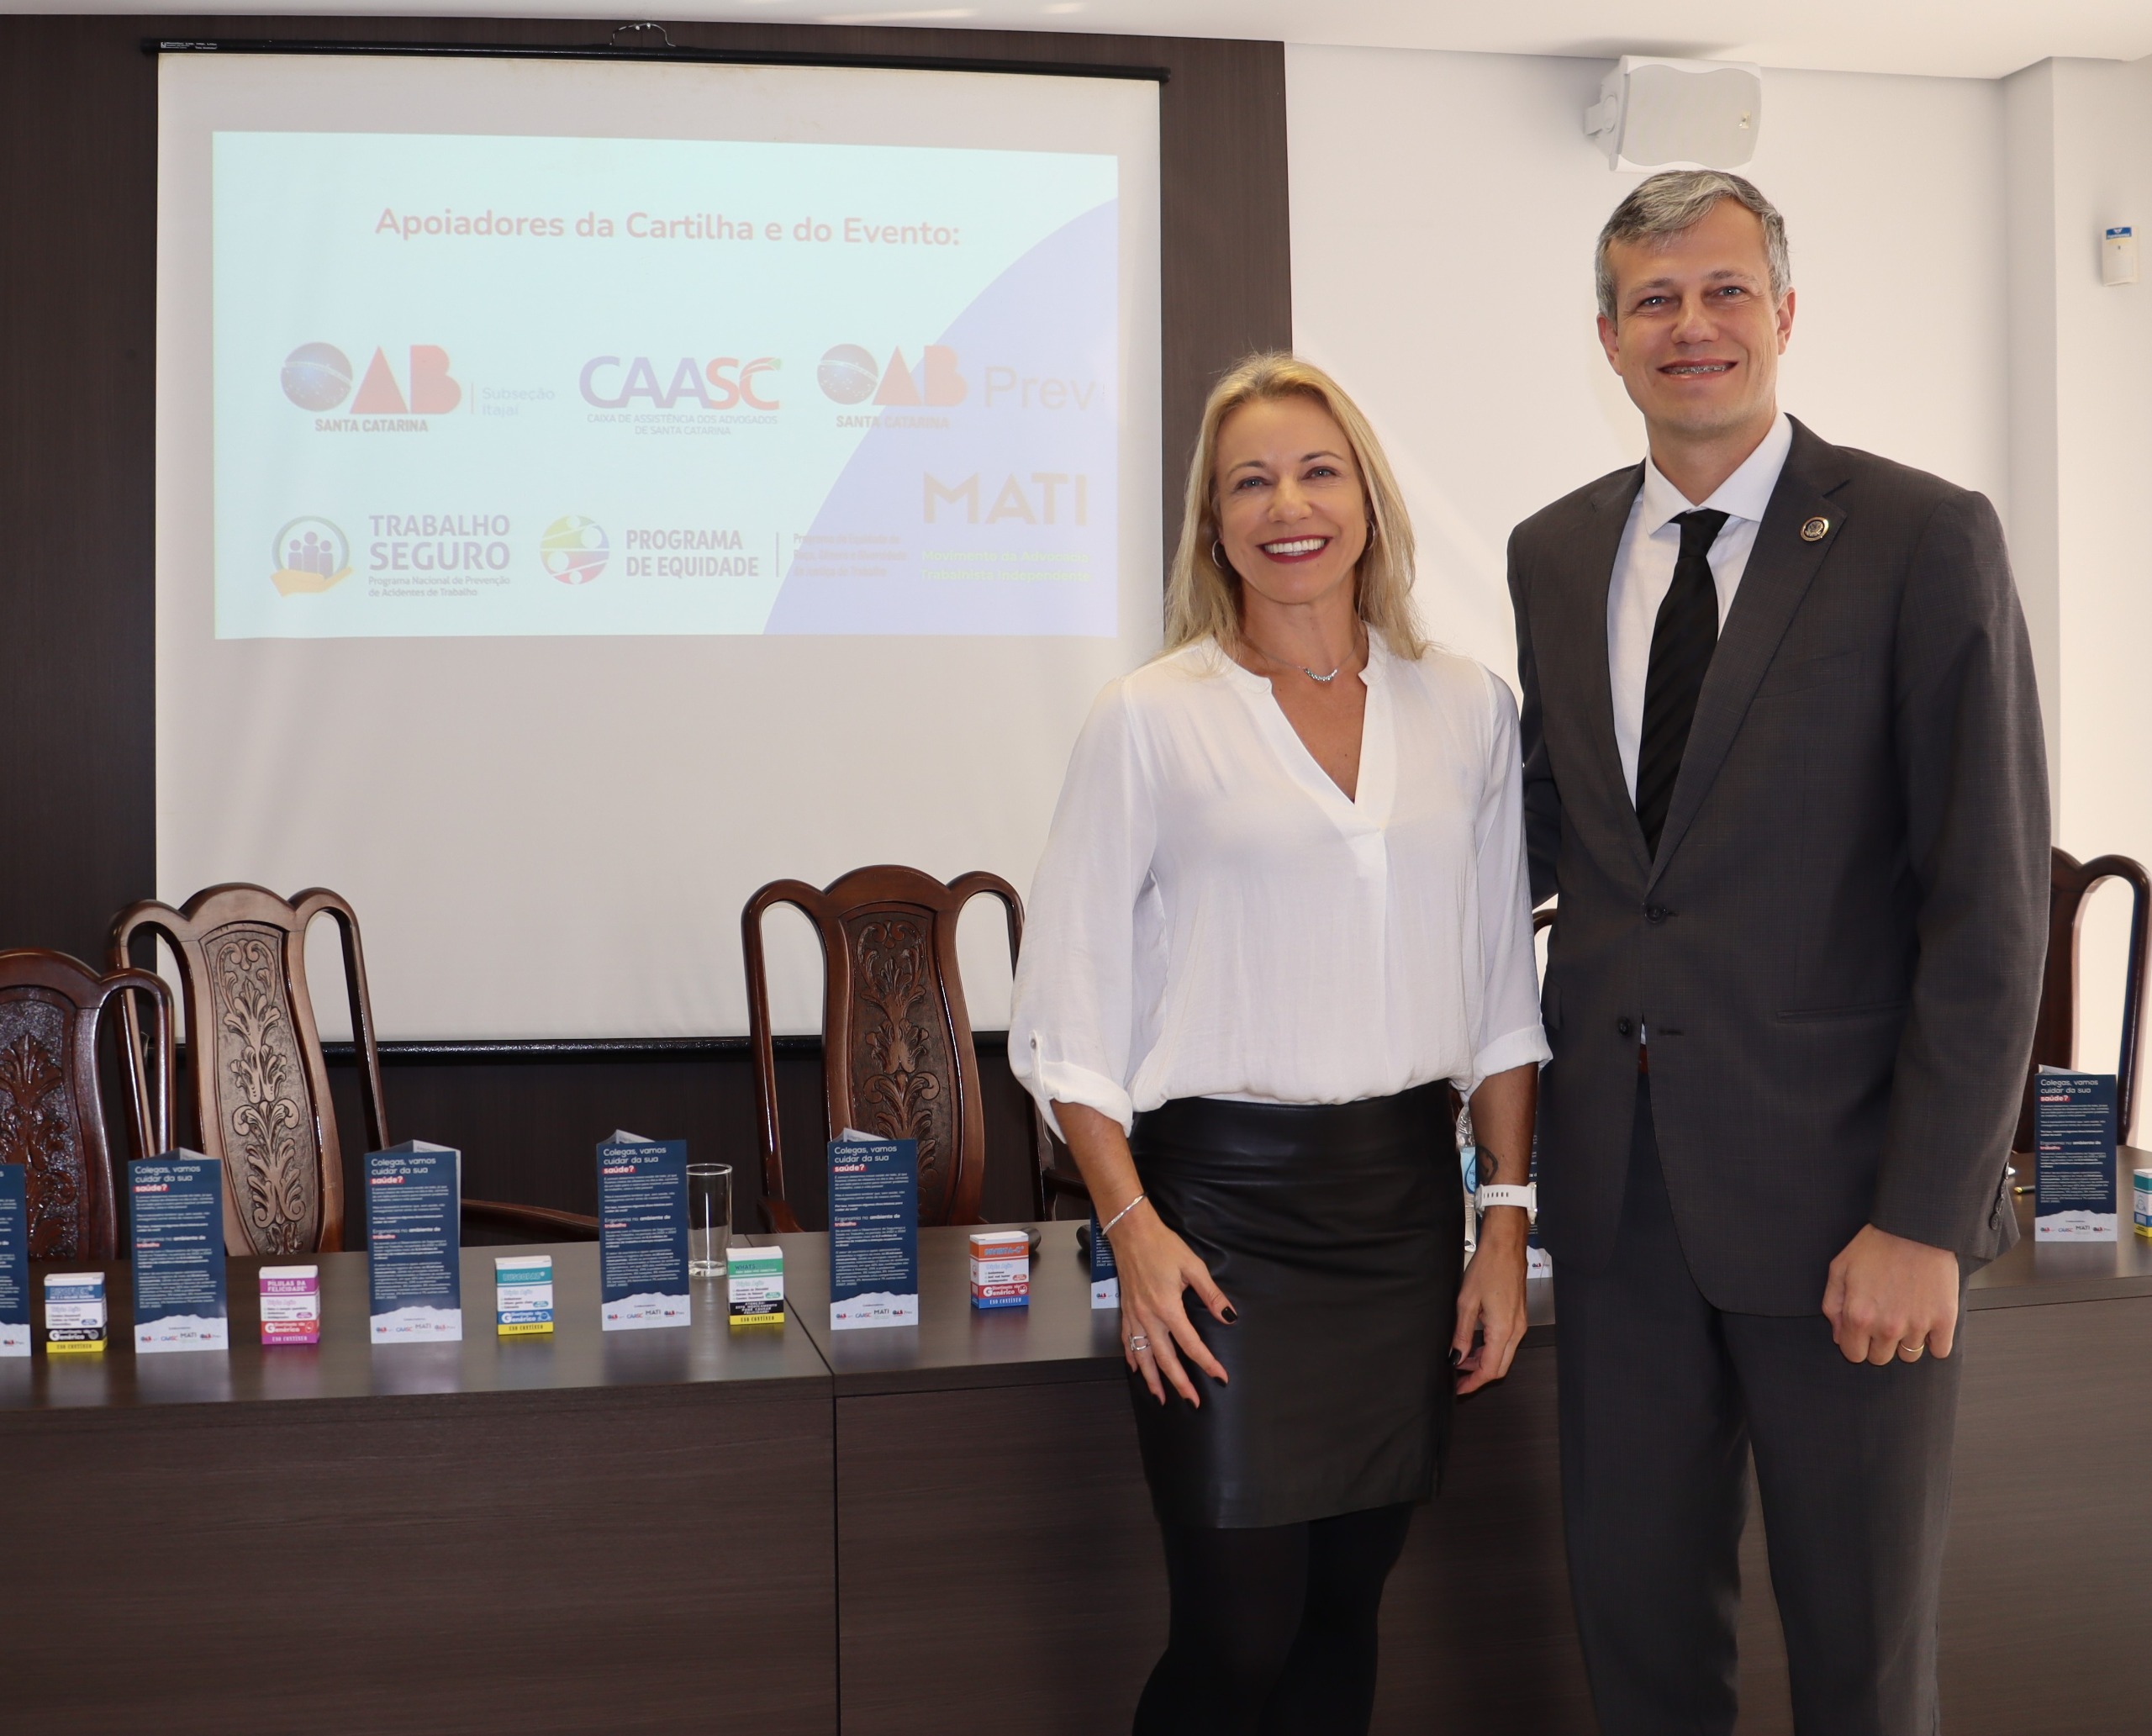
x: 1156, y: 1268
x: 1490, y: 1301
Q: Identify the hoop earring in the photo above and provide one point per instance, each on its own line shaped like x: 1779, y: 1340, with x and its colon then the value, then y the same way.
x: 1218, y: 557
x: 1374, y: 533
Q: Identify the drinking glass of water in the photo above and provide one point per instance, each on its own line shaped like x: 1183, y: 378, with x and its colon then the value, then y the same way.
x: 709, y: 1218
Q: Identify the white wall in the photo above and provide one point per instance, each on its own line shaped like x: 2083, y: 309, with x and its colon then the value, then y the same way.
x: 1444, y: 208
x: 1944, y: 236
x: 2080, y: 142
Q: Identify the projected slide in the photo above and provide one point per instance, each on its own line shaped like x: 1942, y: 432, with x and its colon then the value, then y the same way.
x: 545, y: 386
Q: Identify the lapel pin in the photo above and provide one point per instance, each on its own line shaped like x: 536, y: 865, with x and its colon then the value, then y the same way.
x: 1814, y: 529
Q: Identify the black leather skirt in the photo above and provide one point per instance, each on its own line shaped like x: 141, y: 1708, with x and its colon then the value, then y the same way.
x: 1336, y: 1232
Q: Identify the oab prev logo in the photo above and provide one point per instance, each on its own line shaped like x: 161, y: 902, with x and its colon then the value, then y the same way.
x: 849, y: 374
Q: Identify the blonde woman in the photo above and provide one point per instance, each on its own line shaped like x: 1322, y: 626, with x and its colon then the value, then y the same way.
x: 1283, y: 905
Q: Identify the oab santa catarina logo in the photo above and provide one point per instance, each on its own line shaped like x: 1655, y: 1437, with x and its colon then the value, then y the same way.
x: 318, y: 377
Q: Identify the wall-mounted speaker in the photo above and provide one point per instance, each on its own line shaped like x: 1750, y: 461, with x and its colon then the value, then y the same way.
x: 1654, y: 113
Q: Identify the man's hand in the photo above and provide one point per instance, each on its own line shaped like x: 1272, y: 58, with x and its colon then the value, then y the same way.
x: 1889, y: 1299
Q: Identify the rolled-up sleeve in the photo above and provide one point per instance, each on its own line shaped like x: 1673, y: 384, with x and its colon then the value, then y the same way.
x: 1510, y: 1033
x: 1072, y: 1012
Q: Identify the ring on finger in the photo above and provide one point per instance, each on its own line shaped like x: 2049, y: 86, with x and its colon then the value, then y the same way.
x: 1912, y: 1352
x: 1138, y: 1343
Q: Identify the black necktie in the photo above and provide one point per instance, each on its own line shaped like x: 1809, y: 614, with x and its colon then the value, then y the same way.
x: 1682, y: 642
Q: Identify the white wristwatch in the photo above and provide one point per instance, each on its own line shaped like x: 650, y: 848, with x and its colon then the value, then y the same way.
x: 1503, y: 1194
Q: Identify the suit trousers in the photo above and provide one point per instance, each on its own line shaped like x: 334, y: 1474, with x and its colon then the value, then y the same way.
x: 1664, y: 1399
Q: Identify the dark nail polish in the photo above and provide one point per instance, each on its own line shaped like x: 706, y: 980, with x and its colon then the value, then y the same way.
x: 1456, y: 1356
x: 1230, y: 1315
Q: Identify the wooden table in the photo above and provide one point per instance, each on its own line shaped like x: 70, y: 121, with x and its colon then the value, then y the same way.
x: 992, y: 1528
x: 596, y: 1531
x: 699, y: 1529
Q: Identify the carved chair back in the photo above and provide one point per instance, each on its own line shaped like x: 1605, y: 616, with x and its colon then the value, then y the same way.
x: 897, y: 1054
x: 51, y: 1111
x: 2054, y: 1036
x: 254, y: 1053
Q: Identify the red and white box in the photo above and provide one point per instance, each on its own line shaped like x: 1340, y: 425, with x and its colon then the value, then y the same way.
x: 291, y: 1304
x: 1001, y: 1268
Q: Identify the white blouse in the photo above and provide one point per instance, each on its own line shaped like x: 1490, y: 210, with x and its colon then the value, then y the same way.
x: 1213, y: 918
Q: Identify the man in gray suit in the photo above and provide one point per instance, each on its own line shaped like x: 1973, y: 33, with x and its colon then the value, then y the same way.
x: 1784, y: 766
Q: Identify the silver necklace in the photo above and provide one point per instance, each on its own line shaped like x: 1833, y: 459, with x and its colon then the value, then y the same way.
x: 1322, y: 680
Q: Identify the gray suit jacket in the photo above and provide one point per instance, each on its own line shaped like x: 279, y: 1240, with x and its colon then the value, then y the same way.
x: 1838, y: 947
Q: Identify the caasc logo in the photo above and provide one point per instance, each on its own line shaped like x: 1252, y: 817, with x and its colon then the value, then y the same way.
x: 318, y: 377
x: 721, y: 383
x: 574, y: 549
x: 310, y: 555
x: 848, y: 375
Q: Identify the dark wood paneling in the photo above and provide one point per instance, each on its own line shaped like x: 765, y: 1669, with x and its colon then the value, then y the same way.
x: 999, y: 1565
x: 77, y: 318
x: 657, y: 1558
x: 1476, y: 1619
x: 2046, y: 1598
x: 528, y: 1129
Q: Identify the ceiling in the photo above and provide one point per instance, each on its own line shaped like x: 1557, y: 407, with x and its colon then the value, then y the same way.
x: 1963, y: 39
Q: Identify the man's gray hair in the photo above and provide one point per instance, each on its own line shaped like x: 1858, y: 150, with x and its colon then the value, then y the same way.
x: 1676, y: 200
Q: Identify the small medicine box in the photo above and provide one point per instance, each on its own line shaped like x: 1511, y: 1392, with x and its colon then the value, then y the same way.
x: 523, y: 1295
x: 754, y: 1286
x: 291, y: 1304
x: 1001, y: 1268
x: 74, y: 1312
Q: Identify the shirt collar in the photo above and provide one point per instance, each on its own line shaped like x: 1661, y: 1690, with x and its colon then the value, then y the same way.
x: 1745, y: 494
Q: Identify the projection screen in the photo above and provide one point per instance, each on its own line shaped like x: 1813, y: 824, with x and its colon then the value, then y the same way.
x: 587, y: 491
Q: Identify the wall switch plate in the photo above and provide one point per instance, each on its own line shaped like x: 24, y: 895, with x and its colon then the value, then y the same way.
x: 2118, y: 254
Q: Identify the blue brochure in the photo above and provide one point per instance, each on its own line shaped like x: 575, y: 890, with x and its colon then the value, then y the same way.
x: 873, y: 1232
x: 176, y: 1212
x: 1106, y: 1276
x: 14, y: 1261
x: 415, y: 1206
x: 642, y: 1233
x: 2074, y: 1157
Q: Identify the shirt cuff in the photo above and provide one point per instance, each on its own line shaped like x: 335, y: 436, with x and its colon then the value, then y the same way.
x: 1525, y: 1046
x: 1064, y: 1082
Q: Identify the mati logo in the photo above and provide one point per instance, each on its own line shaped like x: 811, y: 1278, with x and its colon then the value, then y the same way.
x: 309, y: 555
x: 574, y: 549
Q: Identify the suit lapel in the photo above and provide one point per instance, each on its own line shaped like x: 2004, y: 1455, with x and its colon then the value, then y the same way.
x: 1781, y: 567
x: 1598, y: 544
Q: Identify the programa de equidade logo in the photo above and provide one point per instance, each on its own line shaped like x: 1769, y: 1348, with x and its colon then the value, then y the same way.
x: 309, y: 555
x: 574, y: 549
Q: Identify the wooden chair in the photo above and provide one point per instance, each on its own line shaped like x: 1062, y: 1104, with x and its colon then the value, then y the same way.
x: 2055, y: 1036
x: 897, y: 1054
x: 51, y: 1108
x: 261, y: 1080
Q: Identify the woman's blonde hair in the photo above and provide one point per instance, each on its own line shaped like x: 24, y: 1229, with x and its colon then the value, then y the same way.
x: 1203, y: 594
